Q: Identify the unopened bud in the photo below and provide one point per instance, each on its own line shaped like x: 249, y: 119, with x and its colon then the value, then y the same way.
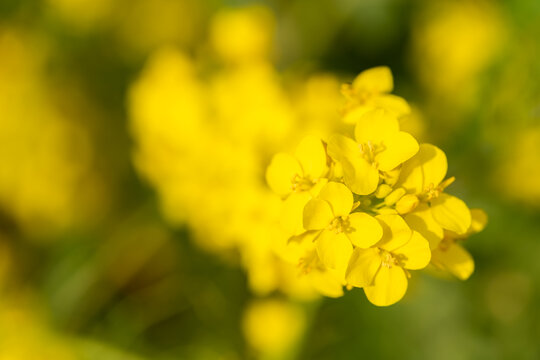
x: 407, y: 204
x: 387, y: 211
x: 382, y: 191
x: 394, y: 196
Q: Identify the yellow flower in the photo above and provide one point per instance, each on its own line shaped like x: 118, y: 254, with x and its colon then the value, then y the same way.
x: 272, y: 327
x: 383, y: 171
x: 453, y: 42
x: 423, y: 176
x: 48, y: 181
x: 338, y: 229
x: 243, y: 35
x: 303, y: 253
x: 288, y: 174
x: 297, y: 178
x: 371, y: 90
x: 451, y: 256
x: 382, y: 269
x: 521, y: 158
x: 379, y: 146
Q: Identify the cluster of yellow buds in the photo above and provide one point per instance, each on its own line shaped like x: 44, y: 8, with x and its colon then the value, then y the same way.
x: 364, y: 212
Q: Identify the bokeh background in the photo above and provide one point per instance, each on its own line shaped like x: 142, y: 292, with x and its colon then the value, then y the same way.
x: 133, y: 140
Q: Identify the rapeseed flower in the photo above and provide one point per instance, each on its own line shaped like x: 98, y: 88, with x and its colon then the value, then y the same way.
x: 370, y: 90
x: 330, y: 214
x: 451, y: 256
x: 373, y: 208
x: 382, y: 270
x: 335, y: 213
x: 298, y: 178
x: 305, y: 170
x: 423, y: 177
x: 380, y: 147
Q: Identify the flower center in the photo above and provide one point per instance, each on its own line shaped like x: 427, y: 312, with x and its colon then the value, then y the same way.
x: 308, y: 263
x: 369, y: 150
x: 388, y: 260
x: 340, y: 224
x: 432, y: 192
x: 299, y: 183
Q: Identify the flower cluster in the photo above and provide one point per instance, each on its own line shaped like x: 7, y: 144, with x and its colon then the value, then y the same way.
x: 203, y: 138
x: 366, y: 211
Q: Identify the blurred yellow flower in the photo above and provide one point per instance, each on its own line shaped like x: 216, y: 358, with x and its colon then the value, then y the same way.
x: 82, y: 14
x: 454, y: 43
x: 203, y: 139
x: 521, y: 158
x: 46, y: 156
x: 38, y: 342
x: 273, y: 327
x: 240, y: 36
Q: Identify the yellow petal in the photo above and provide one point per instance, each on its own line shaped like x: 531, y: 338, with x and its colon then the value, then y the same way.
x: 399, y: 147
x: 352, y: 116
x: 326, y: 283
x: 391, y: 177
x: 428, y: 166
x: 396, y: 232
x: 363, y: 266
x: 375, y: 126
x: 364, y: 230
x: 317, y: 214
x: 280, y: 173
x: 416, y: 253
x: 360, y: 176
x: 389, y: 286
x: 387, y: 211
x: 479, y: 220
x: 454, y: 259
x: 333, y: 249
x: 338, y: 196
x: 394, y: 104
x: 394, y: 196
x: 375, y: 80
x: 316, y: 189
x: 422, y: 221
x: 312, y: 157
x: 340, y: 146
x: 297, y: 246
x: 291, y: 218
x: 451, y: 213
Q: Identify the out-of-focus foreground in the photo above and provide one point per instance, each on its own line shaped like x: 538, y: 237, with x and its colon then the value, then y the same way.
x: 134, y: 210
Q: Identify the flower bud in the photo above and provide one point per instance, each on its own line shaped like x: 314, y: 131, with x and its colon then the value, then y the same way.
x: 407, y: 204
x: 382, y: 191
x: 394, y: 196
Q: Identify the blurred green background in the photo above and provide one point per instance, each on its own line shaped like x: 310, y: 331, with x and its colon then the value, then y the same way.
x: 94, y: 266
